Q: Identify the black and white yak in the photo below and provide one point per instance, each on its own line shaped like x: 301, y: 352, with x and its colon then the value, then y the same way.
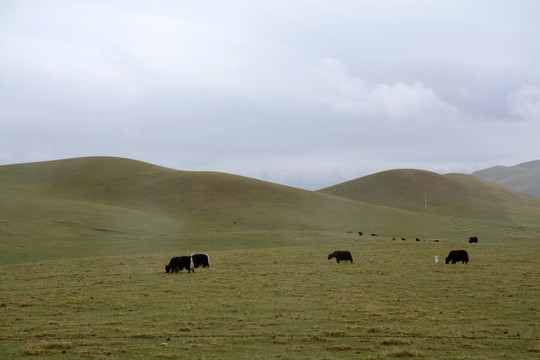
x: 341, y: 256
x: 179, y: 263
x: 200, y: 260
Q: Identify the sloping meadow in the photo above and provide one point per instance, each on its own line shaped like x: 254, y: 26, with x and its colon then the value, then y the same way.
x: 85, y: 243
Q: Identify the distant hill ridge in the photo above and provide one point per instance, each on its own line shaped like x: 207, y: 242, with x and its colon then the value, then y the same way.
x: 524, y: 177
x: 196, y: 201
x: 453, y: 194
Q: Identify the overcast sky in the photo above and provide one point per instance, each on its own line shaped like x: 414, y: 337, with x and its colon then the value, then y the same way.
x: 301, y: 93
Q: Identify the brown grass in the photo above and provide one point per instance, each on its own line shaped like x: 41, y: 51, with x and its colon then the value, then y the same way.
x: 394, y: 342
x: 340, y: 347
x: 405, y: 354
x: 46, y: 347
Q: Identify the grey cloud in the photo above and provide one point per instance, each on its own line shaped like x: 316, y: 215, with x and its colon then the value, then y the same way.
x: 525, y: 103
x: 302, y: 93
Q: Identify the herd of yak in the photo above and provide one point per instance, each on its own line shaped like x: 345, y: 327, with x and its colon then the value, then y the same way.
x: 179, y: 263
x: 454, y: 256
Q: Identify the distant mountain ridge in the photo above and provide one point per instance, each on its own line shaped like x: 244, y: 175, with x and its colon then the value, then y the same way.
x: 524, y: 177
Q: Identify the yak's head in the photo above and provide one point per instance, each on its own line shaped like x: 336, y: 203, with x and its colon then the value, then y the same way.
x: 447, y: 259
x: 331, y: 255
x: 167, y: 268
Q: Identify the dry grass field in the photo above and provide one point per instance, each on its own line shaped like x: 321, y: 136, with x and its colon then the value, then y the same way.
x: 394, y: 301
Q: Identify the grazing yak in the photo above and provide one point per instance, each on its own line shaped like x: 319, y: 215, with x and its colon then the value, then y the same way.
x: 473, y: 240
x: 200, y: 260
x: 179, y: 263
x: 457, y: 255
x: 341, y: 256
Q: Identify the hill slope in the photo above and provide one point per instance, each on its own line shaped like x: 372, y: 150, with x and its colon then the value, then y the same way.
x: 200, y: 199
x: 523, y: 177
x: 454, y: 195
x: 112, y: 206
x: 98, y: 206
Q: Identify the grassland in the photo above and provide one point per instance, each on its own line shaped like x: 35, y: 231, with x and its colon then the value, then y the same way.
x: 286, y: 303
x: 84, y: 243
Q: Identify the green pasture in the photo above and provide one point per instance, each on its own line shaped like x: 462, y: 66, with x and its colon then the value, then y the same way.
x: 394, y: 301
x: 84, y: 243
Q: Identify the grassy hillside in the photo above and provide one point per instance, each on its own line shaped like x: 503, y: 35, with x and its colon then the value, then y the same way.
x: 523, y: 177
x: 84, y: 243
x: 100, y: 206
x: 112, y: 206
x: 455, y: 195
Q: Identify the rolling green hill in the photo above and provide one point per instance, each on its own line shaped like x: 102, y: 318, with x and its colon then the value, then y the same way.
x: 455, y: 195
x: 83, y: 244
x: 198, y: 201
x: 523, y: 177
x: 112, y: 206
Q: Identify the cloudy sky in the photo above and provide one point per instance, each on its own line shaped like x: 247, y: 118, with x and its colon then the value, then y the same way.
x: 301, y: 93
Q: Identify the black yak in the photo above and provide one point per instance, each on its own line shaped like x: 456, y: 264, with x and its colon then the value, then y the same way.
x: 457, y: 255
x: 473, y: 240
x: 179, y: 263
x: 341, y: 256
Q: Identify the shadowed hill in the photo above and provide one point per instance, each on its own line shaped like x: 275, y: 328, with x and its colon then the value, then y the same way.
x: 523, y: 177
x: 455, y: 195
